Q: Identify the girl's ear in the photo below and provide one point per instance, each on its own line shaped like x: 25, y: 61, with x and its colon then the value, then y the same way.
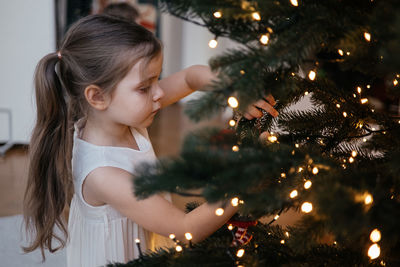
x: 96, y: 97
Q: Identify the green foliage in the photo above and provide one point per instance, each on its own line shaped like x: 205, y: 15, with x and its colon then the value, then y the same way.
x: 328, y: 37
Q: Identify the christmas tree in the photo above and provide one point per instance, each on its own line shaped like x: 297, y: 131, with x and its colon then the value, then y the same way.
x: 336, y: 162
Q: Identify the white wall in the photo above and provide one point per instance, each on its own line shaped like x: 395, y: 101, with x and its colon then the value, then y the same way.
x: 27, y: 31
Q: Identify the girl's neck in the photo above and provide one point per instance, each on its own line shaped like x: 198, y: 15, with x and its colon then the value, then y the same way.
x: 106, y: 134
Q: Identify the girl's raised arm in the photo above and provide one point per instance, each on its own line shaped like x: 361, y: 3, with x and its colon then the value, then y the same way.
x: 196, y: 77
x: 154, y: 213
x: 185, y: 82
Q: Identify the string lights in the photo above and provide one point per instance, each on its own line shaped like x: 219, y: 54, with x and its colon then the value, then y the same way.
x: 264, y: 39
x: 294, y: 2
x: 312, y: 75
x: 219, y: 211
x: 293, y: 194
x: 307, y: 184
x: 306, y: 207
x: 233, y: 102
x: 217, y: 14
x: 367, y: 36
x: 256, y: 16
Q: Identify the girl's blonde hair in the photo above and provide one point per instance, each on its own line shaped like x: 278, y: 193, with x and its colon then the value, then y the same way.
x: 99, y: 50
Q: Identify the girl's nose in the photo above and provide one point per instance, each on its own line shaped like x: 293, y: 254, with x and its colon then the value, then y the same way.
x: 158, y: 94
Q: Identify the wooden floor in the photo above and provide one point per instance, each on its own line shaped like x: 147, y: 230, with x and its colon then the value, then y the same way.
x: 167, y: 132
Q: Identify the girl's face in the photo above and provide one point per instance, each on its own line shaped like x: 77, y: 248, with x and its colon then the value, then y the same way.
x: 136, y: 100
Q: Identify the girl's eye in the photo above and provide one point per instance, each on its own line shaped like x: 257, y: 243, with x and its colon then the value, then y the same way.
x: 144, y: 89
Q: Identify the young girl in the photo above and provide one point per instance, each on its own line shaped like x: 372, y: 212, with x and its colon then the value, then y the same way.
x: 95, y: 98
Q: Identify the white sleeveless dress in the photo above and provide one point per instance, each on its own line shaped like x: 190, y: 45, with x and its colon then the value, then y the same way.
x: 101, y: 235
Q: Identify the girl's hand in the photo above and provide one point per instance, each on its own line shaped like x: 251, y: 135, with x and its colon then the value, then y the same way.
x: 267, y: 103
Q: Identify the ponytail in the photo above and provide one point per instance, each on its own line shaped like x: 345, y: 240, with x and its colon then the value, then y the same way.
x: 50, y: 187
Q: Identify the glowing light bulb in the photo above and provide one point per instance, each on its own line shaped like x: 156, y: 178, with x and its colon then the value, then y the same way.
x: 340, y: 51
x: 283, y: 241
x: 307, y: 184
x: 171, y: 236
x: 272, y: 138
x: 315, y: 170
x: 359, y: 89
x: 219, y: 211
x: 235, y: 148
x: 311, y: 75
x: 367, y: 36
x: 306, y: 207
x: 137, y: 240
x: 364, y: 100
x: 188, y: 236
x: 374, y: 251
x: 338, y: 105
x: 217, y: 14
x: 233, y: 103
x: 276, y: 217
x: 283, y: 175
x: 348, y: 53
x: 232, y: 123
x: 294, y: 2
x: 353, y: 153
x: 242, y: 72
x: 306, y: 93
x: 178, y: 248
x: 256, y: 16
x: 235, y: 201
x: 213, y: 43
x: 297, y: 145
x: 351, y: 160
x: 293, y: 194
x: 240, y: 253
x: 395, y: 82
x: 300, y: 169
x: 364, y: 139
x: 375, y: 235
x: 368, y: 86
x: 287, y: 234
x: 368, y: 199
x: 345, y: 114
x: 264, y: 39
x: 230, y: 227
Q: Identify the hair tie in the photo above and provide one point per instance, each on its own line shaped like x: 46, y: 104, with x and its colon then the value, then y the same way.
x: 59, y: 55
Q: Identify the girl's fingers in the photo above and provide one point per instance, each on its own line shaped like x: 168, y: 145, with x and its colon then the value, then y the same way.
x: 253, y: 112
x: 270, y: 99
x: 267, y: 107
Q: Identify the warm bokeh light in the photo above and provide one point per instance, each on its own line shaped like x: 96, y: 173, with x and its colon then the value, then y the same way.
x: 364, y: 100
x: 219, y: 211
x: 368, y: 199
x: 188, y: 236
x: 232, y: 123
x: 240, y: 253
x: 235, y: 148
x: 256, y: 16
x: 293, y: 194
x: 312, y: 75
x: 213, y: 43
x: 306, y: 207
x: 375, y: 235
x: 294, y: 2
x: 178, y: 248
x: 217, y: 14
x: 235, y: 201
x: 374, y: 251
x: 367, y: 36
x: 315, y: 170
x: 233, y: 102
x: 264, y: 39
x: 307, y: 184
